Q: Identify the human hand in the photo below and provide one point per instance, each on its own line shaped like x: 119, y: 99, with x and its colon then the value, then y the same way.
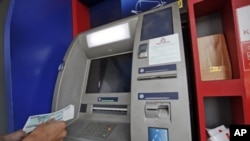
x: 15, y: 136
x: 49, y: 131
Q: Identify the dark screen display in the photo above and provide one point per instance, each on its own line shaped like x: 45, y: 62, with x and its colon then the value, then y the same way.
x: 110, y: 74
x: 157, y: 24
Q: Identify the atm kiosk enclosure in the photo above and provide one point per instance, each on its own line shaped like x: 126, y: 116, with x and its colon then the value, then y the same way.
x: 96, y: 79
x: 101, y: 75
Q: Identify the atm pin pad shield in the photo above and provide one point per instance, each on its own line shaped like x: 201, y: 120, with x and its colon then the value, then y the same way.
x: 90, y: 129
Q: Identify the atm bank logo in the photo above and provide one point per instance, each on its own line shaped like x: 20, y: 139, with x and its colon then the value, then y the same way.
x: 239, y: 132
x: 163, y: 41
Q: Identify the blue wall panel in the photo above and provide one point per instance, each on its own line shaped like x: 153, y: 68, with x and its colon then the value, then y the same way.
x: 105, y: 12
x: 41, y: 31
x: 111, y: 10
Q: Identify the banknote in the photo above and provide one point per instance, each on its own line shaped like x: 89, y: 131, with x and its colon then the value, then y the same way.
x: 64, y: 114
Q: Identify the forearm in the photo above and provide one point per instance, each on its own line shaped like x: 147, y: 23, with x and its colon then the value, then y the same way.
x: 1, y: 138
x: 15, y: 136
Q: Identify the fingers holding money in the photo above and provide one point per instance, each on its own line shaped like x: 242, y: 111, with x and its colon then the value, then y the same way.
x: 62, y: 115
x: 49, y: 131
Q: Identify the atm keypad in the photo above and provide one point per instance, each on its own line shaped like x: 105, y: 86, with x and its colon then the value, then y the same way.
x: 97, y: 129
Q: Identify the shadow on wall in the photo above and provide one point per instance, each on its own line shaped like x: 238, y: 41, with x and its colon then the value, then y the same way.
x: 3, y: 105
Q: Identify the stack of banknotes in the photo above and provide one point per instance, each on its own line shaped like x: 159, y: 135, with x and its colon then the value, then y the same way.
x: 64, y: 114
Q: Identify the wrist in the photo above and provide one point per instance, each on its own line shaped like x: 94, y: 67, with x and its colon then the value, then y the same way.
x: 35, y: 136
x: 28, y: 138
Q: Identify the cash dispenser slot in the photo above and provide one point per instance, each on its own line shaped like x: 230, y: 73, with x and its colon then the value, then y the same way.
x: 110, y: 109
x: 160, y: 110
x: 162, y: 76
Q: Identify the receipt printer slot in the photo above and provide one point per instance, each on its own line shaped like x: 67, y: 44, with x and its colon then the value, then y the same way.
x: 151, y: 77
x: 159, y: 110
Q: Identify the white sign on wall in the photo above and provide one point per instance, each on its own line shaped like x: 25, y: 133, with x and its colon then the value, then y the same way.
x: 243, y: 15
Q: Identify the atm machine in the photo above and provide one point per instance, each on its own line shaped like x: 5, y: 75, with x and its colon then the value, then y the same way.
x: 127, y: 80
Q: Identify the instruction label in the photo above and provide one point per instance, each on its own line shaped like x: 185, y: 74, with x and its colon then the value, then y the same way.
x: 164, y: 49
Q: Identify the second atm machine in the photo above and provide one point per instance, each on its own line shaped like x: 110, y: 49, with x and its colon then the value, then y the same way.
x: 127, y: 80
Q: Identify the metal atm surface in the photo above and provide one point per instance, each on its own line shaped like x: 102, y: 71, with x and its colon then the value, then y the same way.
x: 156, y: 104
x: 160, y: 108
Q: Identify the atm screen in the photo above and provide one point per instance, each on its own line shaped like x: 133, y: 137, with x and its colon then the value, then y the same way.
x: 157, y: 24
x: 110, y: 74
x: 157, y: 134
